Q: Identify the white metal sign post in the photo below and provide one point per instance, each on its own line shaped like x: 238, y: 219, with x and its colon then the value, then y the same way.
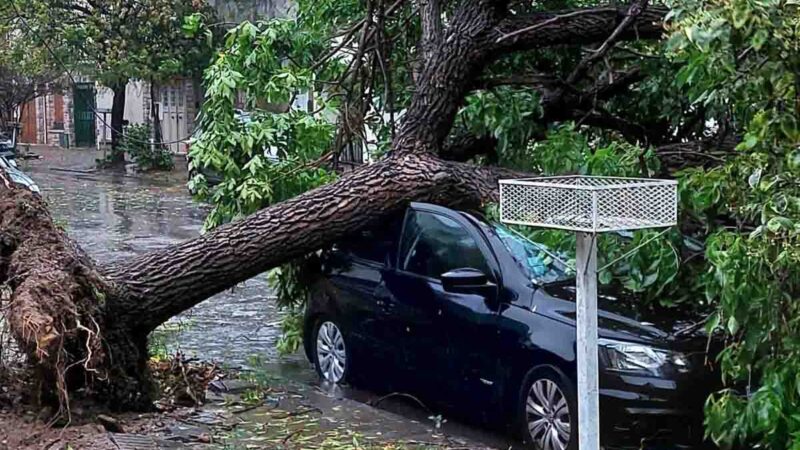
x: 588, y: 205
x: 588, y: 378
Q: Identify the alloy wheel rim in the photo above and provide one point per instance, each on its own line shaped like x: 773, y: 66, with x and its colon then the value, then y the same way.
x: 331, y: 352
x: 547, y: 415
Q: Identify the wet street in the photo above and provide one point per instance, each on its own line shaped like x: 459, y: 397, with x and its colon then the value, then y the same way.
x: 113, y: 215
x: 116, y: 215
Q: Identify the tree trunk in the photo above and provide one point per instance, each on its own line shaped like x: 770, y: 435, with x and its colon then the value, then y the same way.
x: 154, y: 115
x: 117, y: 121
x: 84, y: 326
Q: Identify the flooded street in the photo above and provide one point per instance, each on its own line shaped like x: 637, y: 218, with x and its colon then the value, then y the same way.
x: 115, y: 216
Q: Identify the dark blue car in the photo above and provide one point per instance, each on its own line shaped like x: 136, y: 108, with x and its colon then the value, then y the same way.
x: 469, y: 314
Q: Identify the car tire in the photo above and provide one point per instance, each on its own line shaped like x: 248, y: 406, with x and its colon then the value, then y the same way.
x: 330, y: 351
x: 548, y: 410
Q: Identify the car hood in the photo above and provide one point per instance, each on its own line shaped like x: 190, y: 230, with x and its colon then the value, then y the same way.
x: 623, y: 316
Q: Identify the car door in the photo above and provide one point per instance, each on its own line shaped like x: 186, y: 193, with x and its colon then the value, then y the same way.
x: 447, y: 337
x: 357, y: 270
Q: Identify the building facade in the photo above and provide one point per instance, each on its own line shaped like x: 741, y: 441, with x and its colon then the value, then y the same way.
x: 80, y: 115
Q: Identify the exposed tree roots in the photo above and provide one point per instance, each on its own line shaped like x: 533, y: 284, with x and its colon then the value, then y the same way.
x: 53, y: 297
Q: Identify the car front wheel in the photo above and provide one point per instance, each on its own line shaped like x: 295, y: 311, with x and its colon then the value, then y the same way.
x: 549, y: 411
x: 330, y: 352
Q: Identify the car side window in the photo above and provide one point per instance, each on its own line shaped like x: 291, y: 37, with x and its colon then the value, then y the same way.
x: 433, y: 244
x: 375, y: 244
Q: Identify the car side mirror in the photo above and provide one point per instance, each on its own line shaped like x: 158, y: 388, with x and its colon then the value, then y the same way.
x: 466, y: 281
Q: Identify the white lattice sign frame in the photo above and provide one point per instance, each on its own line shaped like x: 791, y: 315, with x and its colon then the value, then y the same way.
x: 589, y: 204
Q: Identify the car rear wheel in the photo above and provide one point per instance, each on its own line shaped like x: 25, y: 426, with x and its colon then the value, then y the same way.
x: 330, y: 351
x: 548, y: 411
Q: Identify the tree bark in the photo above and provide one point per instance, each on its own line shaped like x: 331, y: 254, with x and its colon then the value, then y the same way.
x: 575, y: 27
x: 167, y: 282
x: 431, y: 19
x: 87, y: 326
x: 154, y: 115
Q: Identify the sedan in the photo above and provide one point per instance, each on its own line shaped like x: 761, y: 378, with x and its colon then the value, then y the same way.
x: 469, y: 314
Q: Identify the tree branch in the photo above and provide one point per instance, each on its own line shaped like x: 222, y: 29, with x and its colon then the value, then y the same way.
x: 622, y: 82
x: 578, y: 27
x: 464, y: 147
x: 635, y: 9
x: 700, y: 153
x: 431, y: 18
x: 161, y: 284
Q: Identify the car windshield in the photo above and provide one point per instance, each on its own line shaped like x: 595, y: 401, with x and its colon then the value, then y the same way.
x: 542, y: 264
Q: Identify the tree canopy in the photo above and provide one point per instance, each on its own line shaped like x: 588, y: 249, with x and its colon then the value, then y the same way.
x: 112, y: 42
x: 24, y: 70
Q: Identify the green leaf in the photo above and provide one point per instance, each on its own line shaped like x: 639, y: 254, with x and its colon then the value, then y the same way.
x: 650, y: 279
x: 750, y: 141
x: 733, y: 325
x: 713, y: 322
x: 759, y: 39
x: 740, y: 17
x: 605, y: 277
x: 776, y: 224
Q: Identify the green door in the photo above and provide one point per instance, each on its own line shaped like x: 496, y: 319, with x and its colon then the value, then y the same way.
x: 83, y: 99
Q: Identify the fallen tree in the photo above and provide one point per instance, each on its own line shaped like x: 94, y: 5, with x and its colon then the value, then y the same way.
x: 86, y: 326
x: 442, y: 85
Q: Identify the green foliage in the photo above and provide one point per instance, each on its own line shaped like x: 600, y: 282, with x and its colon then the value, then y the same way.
x: 163, y: 340
x: 135, y: 142
x: 274, y: 152
x: 117, y: 40
x: 506, y: 114
x: 290, y: 282
x: 566, y: 150
x: 24, y: 69
x: 742, y: 58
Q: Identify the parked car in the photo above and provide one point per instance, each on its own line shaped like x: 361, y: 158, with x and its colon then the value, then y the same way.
x: 7, y: 148
x: 17, y: 176
x: 465, y: 312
